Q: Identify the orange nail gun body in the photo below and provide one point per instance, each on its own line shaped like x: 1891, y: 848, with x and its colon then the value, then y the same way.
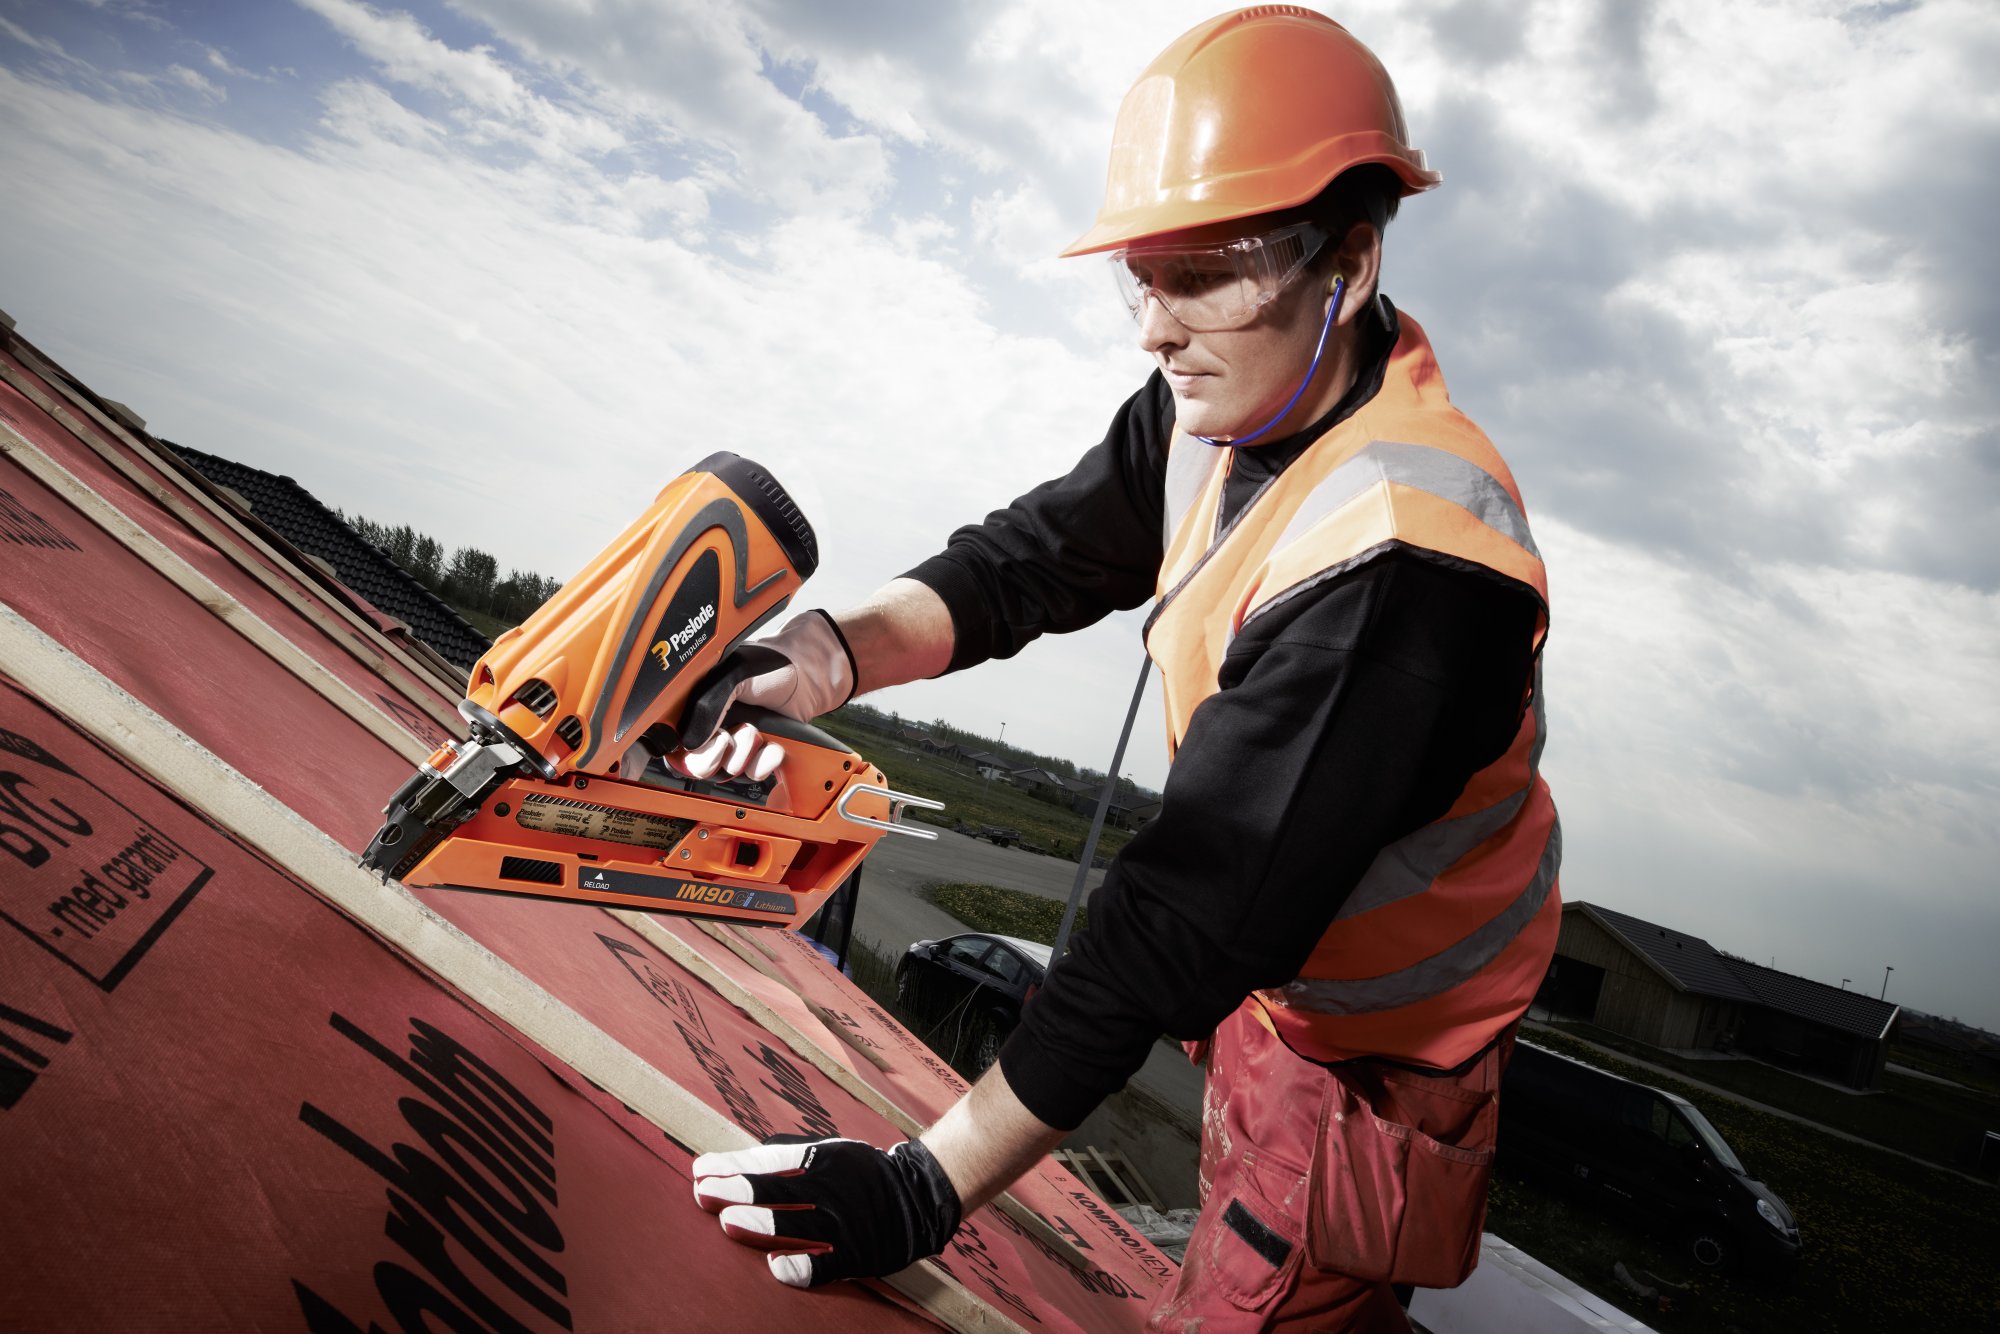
x: 555, y: 796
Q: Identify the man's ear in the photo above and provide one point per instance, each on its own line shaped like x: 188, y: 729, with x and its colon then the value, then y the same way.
x: 1359, y: 260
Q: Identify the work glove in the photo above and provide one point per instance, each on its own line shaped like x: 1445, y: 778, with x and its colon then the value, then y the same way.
x: 828, y: 1209
x: 802, y: 671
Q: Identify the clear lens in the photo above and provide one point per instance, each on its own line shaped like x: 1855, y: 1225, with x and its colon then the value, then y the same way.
x: 1215, y: 287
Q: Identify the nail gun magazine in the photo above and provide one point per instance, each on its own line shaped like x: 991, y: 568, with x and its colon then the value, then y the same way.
x: 559, y: 792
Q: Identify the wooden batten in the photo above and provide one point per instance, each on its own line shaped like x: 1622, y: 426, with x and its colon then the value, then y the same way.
x: 155, y: 747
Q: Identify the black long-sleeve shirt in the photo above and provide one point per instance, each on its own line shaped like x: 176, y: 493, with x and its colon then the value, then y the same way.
x: 1345, y: 719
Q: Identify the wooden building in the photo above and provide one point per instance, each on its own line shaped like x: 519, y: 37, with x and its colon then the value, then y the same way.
x: 1669, y: 989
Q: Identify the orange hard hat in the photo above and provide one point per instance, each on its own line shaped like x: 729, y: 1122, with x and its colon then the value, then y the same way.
x: 1249, y: 113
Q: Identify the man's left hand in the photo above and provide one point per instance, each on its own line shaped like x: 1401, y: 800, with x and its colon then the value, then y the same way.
x: 828, y: 1209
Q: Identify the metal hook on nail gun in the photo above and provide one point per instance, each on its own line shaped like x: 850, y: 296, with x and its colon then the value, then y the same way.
x: 897, y: 802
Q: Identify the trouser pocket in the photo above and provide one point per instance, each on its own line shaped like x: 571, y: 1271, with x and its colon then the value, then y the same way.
x: 1243, y: 1259
x: 1401, y: 1195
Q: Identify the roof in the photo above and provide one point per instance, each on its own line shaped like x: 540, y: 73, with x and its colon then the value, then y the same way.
x: 1694, y: 965
x: 1035, y: 775
x: 313, y: 528
x: 190, y: 676
x: 1835, y: 1007
x: 1690, y: 962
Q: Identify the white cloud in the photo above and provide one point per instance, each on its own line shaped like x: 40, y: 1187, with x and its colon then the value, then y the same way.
x: 696, y: 75
x: 47, y: 46
x: 489, y: 96
x: 1683, y: 269
x: 221, y: 62
x: 197, y: 83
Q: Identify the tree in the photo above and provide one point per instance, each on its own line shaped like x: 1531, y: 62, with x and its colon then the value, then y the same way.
x: 468, y: 580
x: 516, y: 597
x: 426, y: 561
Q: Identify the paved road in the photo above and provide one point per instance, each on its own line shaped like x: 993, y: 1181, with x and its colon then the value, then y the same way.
x: 891, y: 916
x: 891, y: 913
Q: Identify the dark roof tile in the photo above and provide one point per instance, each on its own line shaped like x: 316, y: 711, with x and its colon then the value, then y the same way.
x: 318, y: 531
x: 1701, y: 968
x: 1693, y: 963
x: 1849, y: 1011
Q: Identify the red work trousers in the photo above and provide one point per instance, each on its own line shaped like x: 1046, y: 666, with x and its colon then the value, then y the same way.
x: 1322, y: 1186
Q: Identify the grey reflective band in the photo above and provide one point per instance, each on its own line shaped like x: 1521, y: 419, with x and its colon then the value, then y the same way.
x: 1426, y: 468
x: 1189, y: 466
x: 1411, y: 864
x: 1441, y: 972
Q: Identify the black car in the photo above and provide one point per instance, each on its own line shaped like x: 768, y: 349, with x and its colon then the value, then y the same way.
x: 1646, y: 1154
x: 966, y: 992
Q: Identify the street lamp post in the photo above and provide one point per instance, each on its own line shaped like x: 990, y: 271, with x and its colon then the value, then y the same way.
x: 1003, y: 734
x: 1844, y: 981
x: 1885, y: 981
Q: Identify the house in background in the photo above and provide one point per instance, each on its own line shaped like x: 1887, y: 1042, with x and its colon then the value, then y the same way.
x: 984, y: 764
x: 296, y: 515
x: 1672, y: 990
x: 1046, y: 785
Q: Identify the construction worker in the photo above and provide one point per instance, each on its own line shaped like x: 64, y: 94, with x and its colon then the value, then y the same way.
x: 1348, y: 897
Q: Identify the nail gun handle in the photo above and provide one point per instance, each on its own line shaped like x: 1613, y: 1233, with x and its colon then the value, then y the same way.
x: 785, y: 728
x: 714, y: 704
x: 711, y: 699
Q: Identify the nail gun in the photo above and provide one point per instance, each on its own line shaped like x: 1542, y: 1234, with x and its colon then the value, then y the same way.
x: 558, y: 792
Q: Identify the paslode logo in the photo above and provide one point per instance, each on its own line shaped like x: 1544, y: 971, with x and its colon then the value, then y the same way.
x: 672, y: 644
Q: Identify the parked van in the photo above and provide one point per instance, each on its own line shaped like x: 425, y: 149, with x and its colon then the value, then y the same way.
x: 1646, y: 1154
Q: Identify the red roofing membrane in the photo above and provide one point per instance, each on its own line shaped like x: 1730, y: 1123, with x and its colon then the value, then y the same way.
x: 225, y: 1104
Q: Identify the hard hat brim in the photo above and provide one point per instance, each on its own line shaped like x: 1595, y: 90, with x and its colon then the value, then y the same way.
x: 1252, y: 194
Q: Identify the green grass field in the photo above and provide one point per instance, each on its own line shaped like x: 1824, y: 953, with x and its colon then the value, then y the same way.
x: 490, y: 626
x: 972, y: 800
x: 1006, y: 912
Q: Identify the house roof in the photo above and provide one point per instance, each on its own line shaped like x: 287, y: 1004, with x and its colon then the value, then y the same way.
x: 249, y: 728
x: 1849, y: 1011
x: 1034, y: 775
x: 313, y: 528
x: 1690, y: 963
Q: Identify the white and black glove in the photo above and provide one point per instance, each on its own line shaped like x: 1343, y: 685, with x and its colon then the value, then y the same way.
x: 802, y: 671
x: 828, y: 1209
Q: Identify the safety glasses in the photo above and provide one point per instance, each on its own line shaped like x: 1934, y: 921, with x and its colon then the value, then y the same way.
x: 1208, y: 288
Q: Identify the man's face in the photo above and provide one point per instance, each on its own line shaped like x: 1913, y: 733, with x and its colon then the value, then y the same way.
x: 1228, y: 382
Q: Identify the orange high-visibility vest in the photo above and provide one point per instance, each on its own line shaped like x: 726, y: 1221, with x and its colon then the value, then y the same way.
x: 1446, y: 937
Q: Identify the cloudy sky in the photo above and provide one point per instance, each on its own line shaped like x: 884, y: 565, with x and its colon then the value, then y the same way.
x: 1712, y: 275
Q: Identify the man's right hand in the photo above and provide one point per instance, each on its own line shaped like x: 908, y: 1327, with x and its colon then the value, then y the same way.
x: 802, y: 671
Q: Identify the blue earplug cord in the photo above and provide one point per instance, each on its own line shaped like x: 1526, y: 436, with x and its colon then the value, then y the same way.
x: 1332, y: 313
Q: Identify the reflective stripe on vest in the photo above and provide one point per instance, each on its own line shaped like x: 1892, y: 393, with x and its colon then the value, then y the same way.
x: 1442, y: 971
x: 1445, y: 938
